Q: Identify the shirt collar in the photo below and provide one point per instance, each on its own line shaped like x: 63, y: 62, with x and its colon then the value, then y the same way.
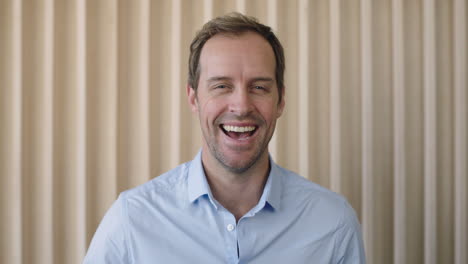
x: 198, y: 184
x: 273, y: 186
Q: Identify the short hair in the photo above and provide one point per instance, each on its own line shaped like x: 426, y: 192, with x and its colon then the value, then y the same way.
x: 236, y: 24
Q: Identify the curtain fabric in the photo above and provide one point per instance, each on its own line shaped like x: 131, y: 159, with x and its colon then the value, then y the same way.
x: 92, y: 102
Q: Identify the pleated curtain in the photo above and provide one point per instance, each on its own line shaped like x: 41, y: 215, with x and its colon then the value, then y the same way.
x: 93, y: 102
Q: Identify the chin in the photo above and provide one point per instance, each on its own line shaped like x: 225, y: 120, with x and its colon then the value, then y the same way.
x: 239, y: 164
x: 238, y: 168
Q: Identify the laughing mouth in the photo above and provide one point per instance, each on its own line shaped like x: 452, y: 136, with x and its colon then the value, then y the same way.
x: 238, y: 132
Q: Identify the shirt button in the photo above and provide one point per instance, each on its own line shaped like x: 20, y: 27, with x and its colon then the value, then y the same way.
x: 230, y: 227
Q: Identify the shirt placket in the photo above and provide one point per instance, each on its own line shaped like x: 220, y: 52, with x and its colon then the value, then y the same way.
x: 230, y: 236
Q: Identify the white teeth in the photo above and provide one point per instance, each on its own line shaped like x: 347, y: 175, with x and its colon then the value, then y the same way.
x: 239, y: 129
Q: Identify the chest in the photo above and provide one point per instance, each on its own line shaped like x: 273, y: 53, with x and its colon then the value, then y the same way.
x: 205, y: 235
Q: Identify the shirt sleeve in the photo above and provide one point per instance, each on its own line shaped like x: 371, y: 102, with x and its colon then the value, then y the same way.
x: 350, y: 244
x: 108, y: 245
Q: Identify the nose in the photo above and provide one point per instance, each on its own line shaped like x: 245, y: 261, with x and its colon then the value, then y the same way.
x: 240, y: 102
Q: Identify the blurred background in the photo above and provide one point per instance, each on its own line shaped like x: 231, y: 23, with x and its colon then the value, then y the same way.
x: 92, y: 102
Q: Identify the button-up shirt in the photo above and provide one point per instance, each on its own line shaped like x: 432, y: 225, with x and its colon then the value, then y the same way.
x: 174, y: 218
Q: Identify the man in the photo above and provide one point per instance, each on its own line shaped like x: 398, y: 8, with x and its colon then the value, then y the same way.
x: 232, y: 203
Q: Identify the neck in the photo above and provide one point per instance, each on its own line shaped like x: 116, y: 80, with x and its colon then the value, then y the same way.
x: 237, y: 192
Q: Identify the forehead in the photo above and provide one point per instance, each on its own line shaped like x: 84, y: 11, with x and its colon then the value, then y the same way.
x: 245, y: 55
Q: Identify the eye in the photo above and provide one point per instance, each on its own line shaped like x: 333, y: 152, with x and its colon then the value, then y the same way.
x: 258, y: 87
x: 220, y: 86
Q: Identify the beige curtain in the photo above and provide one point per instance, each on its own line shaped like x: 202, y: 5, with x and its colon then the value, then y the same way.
x: 92, y: 102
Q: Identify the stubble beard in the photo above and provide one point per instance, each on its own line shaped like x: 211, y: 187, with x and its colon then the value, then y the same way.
x: 215, y: 150
x: 223, y: 160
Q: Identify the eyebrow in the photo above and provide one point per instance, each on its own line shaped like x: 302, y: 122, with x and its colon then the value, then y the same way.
x: 225, y: 78
x: 262, y: 79
x: 219, y: 78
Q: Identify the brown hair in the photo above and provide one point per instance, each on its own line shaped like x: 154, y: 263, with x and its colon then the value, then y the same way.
x: 234, y: 23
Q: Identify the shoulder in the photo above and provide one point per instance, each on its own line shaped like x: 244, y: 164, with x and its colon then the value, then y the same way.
x: 315, y: 199
x: 326, y: 213
x: 110, y: 243
x: 306, y: 189
x: 164, y: 186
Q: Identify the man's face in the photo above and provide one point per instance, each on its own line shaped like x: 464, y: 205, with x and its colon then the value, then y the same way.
x: 237, y: 99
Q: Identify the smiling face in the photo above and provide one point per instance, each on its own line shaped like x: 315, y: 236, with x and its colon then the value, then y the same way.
x: 236, y: 100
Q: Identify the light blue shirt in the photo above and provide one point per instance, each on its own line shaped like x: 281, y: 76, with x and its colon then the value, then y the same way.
x: 175, y: 219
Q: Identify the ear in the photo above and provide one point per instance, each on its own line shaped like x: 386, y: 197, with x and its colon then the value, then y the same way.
x: 192, y: 98
x: 281, y: 104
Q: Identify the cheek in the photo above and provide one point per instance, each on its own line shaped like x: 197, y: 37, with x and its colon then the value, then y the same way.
x: 268, y: 110
x: 208, y: 110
